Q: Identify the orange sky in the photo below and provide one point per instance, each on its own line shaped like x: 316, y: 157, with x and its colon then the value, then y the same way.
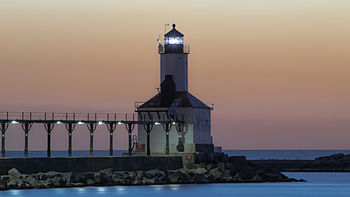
x: 277, y: 71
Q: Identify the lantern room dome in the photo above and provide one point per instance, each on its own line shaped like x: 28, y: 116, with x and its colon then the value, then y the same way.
x: 174, y: 33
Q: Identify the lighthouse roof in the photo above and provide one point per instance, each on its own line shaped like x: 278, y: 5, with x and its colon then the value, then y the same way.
x: 186, y: 100
x: 174, y: 33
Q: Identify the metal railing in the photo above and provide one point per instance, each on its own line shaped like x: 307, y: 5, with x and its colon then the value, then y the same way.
x: 185, y: 49
x: 137, y: 104
x: 57, y: 116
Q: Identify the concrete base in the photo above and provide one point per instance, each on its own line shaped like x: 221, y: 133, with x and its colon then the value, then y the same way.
x: 90, y: 164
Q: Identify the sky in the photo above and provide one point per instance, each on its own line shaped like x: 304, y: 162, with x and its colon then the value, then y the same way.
x: 276, y: 71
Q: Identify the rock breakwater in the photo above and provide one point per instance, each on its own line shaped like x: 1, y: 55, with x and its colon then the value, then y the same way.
x: 230, y: 171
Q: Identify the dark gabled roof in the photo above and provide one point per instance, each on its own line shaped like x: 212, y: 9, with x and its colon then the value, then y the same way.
x: 173, y: 33
x: 186, y: 100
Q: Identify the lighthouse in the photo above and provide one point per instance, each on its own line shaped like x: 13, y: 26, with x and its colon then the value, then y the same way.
x: 191, y: 130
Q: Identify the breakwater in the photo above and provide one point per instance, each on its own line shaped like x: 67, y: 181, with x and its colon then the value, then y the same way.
x: 332, y: 163
x: 232, y: 170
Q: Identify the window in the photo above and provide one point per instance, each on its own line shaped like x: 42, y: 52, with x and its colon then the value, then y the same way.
x: 173, y: 40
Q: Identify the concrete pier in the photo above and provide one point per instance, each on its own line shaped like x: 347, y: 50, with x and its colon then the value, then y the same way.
x: 90, y: 164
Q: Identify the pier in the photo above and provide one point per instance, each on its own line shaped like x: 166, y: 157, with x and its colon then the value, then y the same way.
x: 90, y: 120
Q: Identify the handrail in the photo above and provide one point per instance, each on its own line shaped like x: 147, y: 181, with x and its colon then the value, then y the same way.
x: 185, y: 49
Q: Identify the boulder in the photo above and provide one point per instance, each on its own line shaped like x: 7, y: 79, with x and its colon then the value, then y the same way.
x: 15, y: 184
x: 41, y: 176
x: 132, y: 174
x: 199, y: 171
x: 154, y: 173
x: 97, y: 178
x: 4, y: 178
x: 226, y: 174
x: 177, y: 177
x: 67, y: 178
x: 209, y: 166
x: 14, y: 173
x: 31, y: 181
x: 90, y: 182
x: 52, y: 174
x: 138, y: 178
x: 200, y: 178
x: 89, y: 175
x: 120, y: 175
x: 57, y: 182
x: 216, y: 173
x: 77, y: 184
x: 106, y: 180
x: 45, y: 184
x: 148, y: 181
x: 77, y: 178
x: 107, y: 172
x: 221, y: 166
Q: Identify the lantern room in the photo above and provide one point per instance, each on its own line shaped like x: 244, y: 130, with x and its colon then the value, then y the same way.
x: 173, y: 41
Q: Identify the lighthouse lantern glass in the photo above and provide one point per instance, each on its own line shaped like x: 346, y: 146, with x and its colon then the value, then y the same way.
x: 173, y: 40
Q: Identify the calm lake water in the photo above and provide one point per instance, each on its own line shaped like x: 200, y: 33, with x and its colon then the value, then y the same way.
x: 320, y: 185
x: 250, y: 154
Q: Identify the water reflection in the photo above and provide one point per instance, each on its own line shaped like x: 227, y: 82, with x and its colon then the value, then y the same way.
x: 59, y: 190
x: 80, y: 190
x: 157, y: 187
x: 120, y: 189
x: 15, y: 192
x: 321, y: 185
x: 174, y: 187
x: 101, y: 189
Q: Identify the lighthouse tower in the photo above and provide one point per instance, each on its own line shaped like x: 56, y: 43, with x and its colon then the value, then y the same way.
x: 192, y: 131
x: 174, y: 59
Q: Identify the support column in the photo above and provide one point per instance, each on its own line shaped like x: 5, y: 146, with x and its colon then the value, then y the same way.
x: 92, y: 128
x: 4, y: 126
x: 26, y: 127
x: 111, y: 128
x: 167, y: 128
x: 180, y: 128
x: 148, y: 128
x: 49, y: 127
x: 70, y: 127
x: 130, y: 127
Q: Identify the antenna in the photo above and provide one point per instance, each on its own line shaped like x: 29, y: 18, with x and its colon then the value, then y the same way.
x: 165, y: 26
x: 158, y: 40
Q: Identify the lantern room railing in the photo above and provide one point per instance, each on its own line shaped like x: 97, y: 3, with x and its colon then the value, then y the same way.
x: 185, y: 49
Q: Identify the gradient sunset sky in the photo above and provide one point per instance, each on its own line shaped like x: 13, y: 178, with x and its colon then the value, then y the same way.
x: 277, y: 71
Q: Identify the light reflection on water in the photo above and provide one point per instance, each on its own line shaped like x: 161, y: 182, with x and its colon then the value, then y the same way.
x: 320, y: 185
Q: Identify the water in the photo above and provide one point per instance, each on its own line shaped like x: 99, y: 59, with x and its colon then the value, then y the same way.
x: 250, y: 154
x: 284, y: 154
x: 320, y: 185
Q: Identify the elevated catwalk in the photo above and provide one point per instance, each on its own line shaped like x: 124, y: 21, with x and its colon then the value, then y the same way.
x: 91, y: 120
